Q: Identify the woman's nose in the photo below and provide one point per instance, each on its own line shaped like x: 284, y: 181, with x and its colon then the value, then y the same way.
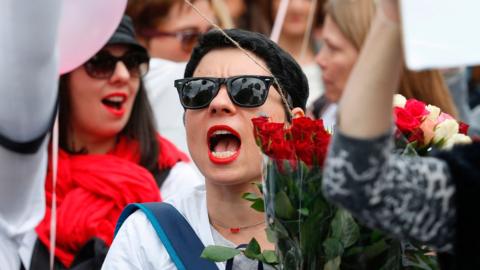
x: 120, y: 73
x: 221, y: 103
x: 320, y: 58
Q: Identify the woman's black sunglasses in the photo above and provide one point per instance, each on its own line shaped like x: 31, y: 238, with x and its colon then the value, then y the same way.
x: 103, y: 64
x: 244, y: 91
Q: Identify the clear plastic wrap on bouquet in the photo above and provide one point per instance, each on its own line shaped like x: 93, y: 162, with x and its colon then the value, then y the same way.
x: 296, y: 210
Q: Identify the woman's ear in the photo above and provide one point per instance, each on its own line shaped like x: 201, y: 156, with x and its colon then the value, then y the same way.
x: 297, y: 112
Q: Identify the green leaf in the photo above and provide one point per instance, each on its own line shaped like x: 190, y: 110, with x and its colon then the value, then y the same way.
x: 376, y: 235
x: 259, y: 186
x: 270, y: 257
x: 353, y: 251
x: 415, y: 256
x: 250, y: 196
x: 279, y: 229
x: 253, y: 250
x: 418, y: 261
x: 219, y: 253
x: 375, y: 249
x: 333, y: 264
x: 345, y: 228
x: 283, y: 206
x: 258, y: 205
x: 333, y: 248
x: 304, y: 211
x: 394, y: 257
x: 410, y: 149
x: 271, y: 235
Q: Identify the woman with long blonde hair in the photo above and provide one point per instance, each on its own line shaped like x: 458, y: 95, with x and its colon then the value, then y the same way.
x: 431, y: 200
x: 346, y: 27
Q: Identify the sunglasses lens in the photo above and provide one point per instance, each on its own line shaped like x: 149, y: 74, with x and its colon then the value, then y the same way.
x: 249, y: 91
x: 136, y: 63
x: 198, y: 93
x: 101, y: 65
x: 189, y: 40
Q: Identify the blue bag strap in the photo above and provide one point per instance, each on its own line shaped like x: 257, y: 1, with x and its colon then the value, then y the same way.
x: 176, y: 234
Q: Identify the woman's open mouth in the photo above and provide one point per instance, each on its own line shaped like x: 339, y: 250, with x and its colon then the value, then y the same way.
x: 223, y: 144
x: 114, y: 103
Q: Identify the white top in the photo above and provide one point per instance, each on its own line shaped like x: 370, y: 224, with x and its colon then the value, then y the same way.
x: 137, y: 245
x: 315, y: 83
x: 183, y: 178
x: 329, y: 116
x: 163, y: 97
x: 28, y: 87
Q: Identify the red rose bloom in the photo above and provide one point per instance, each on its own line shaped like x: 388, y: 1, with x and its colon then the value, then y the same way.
x: 304, y: 150
x: 322, y: 140
x: 416, y: 109
x: 463, y: 128
x: 405, y: 121
x: 305, y: 140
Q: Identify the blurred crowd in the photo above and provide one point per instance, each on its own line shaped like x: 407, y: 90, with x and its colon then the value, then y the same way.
x: 139, y: 144
x: 170, y: 29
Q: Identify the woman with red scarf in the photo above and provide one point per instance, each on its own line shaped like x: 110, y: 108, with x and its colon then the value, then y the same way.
x: 110, y: 154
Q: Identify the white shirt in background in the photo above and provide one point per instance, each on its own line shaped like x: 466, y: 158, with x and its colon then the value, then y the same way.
x: 315, y: 83
x: 163, y: 97
x: 329, y: 116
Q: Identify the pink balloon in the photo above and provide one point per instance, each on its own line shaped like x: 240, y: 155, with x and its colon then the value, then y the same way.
x: 85, y: 27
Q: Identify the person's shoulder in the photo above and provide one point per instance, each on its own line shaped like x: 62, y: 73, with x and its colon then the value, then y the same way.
x: 192, y: 204
x: 188, y: 171
x: 137, y: 246
x: 182, y: 178
x: 187, y: 199
x: 137, y: 222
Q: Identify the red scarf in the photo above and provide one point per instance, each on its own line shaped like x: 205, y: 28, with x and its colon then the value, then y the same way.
x: 92, y: 191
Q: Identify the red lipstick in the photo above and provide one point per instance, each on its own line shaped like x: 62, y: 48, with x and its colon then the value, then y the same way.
x: 229, y: 141
x: 114, y: 103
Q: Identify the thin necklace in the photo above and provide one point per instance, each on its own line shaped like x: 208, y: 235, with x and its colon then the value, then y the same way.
x: 233, y: 229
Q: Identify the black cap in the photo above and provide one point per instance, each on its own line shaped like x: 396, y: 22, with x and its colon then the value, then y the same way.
x: 125, y: 34
x: 287, y: 71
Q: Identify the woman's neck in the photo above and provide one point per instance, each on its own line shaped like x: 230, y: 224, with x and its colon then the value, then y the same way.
x: 92, y: 144
x: 225, y: 203
x: 229, y: 213
x: 293, y: 45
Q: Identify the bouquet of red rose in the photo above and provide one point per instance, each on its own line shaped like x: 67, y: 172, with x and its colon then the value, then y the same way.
x: 294, y: 204
x: 310, y: 233
x: 421, y: 127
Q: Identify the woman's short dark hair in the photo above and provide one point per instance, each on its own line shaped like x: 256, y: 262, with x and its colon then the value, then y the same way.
x: 140, y: 127
x: 289, y: 74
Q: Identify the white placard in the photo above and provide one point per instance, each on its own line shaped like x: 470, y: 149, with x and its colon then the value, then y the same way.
x: 441, y: 33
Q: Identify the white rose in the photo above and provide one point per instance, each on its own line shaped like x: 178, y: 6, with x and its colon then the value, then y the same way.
x: 434, y: 112
x: 445, y: 130
x: 399, y: 101
x: 457, y: 139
